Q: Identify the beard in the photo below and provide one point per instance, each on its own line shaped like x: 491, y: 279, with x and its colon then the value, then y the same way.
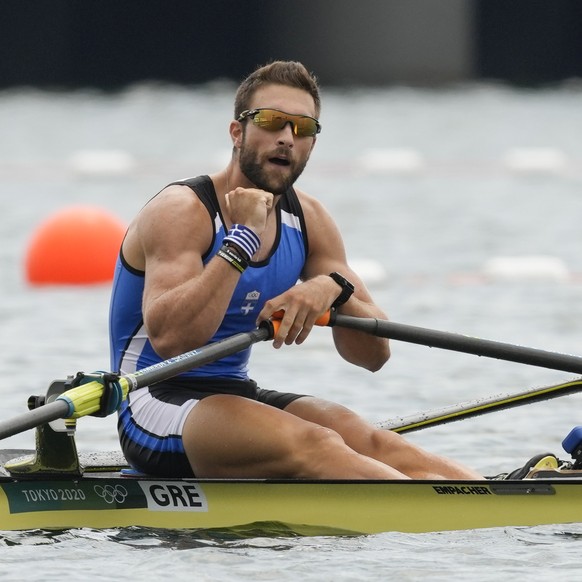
x: 254, y: 171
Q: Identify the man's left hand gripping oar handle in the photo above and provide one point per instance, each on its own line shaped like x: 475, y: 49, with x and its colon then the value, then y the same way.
x: 327, y: 319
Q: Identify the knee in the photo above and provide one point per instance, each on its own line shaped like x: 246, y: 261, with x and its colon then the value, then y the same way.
x: 320, y: 437
x: 395, y: 450
x: 313, y: 448
x: 382, y: 442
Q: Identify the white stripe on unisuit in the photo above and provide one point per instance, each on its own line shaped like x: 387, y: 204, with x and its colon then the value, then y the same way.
x: 290, y: 220
x: 128, y: 364
x: 158, y: 417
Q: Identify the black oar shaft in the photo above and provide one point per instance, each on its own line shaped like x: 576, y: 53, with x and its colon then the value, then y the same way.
x: 33, y: 418
x: 196, y: 358
x: 462, y: 343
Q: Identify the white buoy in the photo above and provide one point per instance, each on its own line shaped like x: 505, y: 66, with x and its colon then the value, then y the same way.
x: 102, y: 162
x: 537, y: 267
x: 535, y: 160
x: 391, y: 161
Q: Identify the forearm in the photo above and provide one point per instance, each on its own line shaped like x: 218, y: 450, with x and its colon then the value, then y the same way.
x: 359, y: 348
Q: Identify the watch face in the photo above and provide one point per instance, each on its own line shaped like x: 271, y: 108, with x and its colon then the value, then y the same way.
x: 342, y: 281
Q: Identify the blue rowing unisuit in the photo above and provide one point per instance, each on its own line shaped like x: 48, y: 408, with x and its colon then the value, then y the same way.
x: 130, y: 347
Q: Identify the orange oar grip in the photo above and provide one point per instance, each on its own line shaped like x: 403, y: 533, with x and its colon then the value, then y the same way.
x: 278, y: 315
x: 275, y: 324
x: 276, y: 318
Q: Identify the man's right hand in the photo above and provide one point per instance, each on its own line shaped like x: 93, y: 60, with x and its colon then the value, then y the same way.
x: 249, y: 206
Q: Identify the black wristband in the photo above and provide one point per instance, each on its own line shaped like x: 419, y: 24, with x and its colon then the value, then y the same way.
x: 233, y: 246
x: 232, y: 257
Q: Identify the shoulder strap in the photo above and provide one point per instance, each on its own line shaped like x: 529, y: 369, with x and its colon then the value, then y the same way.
x: 290, y: 203
x: 203, y: 187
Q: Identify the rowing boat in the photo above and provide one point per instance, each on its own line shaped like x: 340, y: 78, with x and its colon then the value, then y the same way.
x: 108, y: 495
x: 53, y: 487
x: 56, y: 487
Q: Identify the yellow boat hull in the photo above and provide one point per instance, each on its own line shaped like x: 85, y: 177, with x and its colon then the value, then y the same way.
x: 304, y: 507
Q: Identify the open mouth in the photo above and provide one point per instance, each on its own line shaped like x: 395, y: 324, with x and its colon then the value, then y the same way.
x: 280, y: 161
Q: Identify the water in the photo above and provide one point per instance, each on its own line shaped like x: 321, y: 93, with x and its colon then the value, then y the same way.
x: 427, y: 187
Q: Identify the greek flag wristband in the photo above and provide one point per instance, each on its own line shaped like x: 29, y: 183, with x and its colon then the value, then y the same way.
x: 244, y: 238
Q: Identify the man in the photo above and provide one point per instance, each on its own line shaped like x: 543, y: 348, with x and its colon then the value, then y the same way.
x: 215, y: 255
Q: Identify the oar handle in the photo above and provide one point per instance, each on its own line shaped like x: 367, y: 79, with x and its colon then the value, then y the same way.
x: 324, y: 320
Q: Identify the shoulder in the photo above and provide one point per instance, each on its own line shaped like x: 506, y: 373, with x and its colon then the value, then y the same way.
x: 311, y: 206
x: 171, y: 196
x: 172, y: 205
x: 174, y: 220
x: 317, y: 218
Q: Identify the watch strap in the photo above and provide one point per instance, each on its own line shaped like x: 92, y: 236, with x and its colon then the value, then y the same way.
x: 346, y: 292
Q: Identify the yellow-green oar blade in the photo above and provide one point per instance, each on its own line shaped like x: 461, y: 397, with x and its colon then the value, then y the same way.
x: 479, y: 407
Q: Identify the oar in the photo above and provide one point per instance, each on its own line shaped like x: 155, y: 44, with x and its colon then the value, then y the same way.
x: 478, y: 407
x: 470, y: 345
x: 456, y: 342
x: 86, y: 399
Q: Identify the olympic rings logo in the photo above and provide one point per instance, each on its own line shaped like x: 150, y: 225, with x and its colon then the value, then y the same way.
x: 111, y: 493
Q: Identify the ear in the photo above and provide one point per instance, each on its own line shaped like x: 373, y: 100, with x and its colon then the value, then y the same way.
x: 236, y: 133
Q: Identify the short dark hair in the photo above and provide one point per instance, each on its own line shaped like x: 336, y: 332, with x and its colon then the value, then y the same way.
x: 288, y: 73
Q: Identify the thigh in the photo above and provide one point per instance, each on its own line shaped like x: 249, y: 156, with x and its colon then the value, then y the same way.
x: 356, y: 431
x: 327, y: 413
x: 360, y: 435
x: 232, y: 436
x: 277, y: 399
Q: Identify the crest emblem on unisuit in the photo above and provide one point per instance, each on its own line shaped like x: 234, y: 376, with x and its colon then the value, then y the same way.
x: 250, y: 302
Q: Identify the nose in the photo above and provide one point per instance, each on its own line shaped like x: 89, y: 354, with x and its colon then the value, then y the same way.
x: 285, y: 135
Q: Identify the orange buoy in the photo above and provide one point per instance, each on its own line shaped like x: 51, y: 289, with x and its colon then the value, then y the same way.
x: 75, y: 246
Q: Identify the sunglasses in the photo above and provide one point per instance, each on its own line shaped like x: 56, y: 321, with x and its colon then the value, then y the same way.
x: 275, y: 120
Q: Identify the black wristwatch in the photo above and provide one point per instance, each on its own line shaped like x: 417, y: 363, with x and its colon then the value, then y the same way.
x: 347, y: 289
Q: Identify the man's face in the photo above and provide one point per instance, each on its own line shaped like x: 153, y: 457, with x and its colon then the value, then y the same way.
x: 273, y: 160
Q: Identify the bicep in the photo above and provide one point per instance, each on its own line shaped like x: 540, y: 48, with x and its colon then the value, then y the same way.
x: 327, y: 251
x: 173, y: 238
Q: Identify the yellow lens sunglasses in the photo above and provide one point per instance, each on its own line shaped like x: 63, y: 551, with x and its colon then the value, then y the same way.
x: 275, y: 120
